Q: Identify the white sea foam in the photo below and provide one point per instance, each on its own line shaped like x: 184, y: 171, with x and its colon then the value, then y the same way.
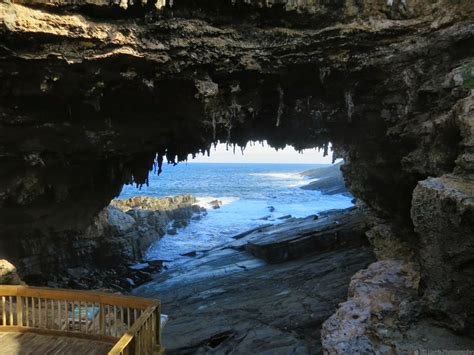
x: 291, y: 179
x: 281, y: 176
x: 205, y: 201
x: 298, y: 183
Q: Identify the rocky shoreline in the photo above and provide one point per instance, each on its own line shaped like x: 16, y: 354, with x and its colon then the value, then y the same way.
x: 282, y: 289
x: 328, y: 180
x: 122, y: 233
x: 253, y: 302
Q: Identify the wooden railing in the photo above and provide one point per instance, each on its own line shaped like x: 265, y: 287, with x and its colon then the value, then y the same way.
x: 131, y: 323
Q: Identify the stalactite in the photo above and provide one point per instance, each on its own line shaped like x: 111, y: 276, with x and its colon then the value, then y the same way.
x: 280, y: 105
x: 213, y: 115
x: 323, y: 74
x: 160, y: 163
x: 349, y: 105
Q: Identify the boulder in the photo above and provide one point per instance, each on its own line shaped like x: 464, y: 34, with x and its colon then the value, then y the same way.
x: 120, y: 221
x: 8, y: 274
x: 443, y: 216
x: 380, y: 298
x: 215, y: 204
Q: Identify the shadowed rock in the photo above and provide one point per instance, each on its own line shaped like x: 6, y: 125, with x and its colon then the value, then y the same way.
x: 228, y: 301
x: 305, y: 236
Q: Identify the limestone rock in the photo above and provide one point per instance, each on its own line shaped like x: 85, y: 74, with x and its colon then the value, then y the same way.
x: 119, y: 220
x: 382, y: 299
x: 384, y: 315
x: 154, y: 204
x: 387, y: 242
x: 133, y: 224
x: 443, y: 215
x: 8, y: 274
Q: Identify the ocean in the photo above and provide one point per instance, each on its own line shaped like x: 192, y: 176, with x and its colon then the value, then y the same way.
x: 252, y: 195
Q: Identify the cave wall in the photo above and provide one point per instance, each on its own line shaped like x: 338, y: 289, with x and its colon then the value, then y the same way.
x: 91, y: 93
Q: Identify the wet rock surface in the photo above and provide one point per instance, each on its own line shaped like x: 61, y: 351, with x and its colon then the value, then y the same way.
x: 226, y: 300
x: 303, y: 236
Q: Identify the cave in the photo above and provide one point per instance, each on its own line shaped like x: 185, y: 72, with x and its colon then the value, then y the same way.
x: 95, y: 94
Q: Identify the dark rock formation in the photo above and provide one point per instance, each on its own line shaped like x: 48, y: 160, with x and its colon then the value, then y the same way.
x: 226, y: 300
x: 329, y: 180
x: 139, y: 221
x: 91, y: 95
x: 301, y: 237
x: 443, y: 215
x: 119, y: 236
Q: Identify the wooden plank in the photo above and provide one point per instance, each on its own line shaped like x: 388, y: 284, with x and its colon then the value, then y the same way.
x: 102, y: 319
x: 128, y: 318
x: 33, y: 312
x: 19, y: 311
x: 58, y: 310
x: 59, y: 315
x: 77, y: 295
x: 4, y: 311
x: 53, y: 320
x: 32, y: 343
x: 64, y: 334
x: 66, y: 316
x: 10, y: 308
x: 27, y: 311
x: 73, y: 305
x: 95, y: 317
x: 109, y: 319
x: 115, y: 321
x: 40, y: 316
x: 127, y: 338
x: 87, y: 317
x: 122, y: 316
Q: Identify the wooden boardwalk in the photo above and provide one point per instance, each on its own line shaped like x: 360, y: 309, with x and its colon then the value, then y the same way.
x: 28, y: 343
x: 35, y: 320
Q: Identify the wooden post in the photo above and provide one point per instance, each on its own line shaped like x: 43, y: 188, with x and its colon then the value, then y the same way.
x: 132, y: 346
x: 101, y: 319
x: 19, y: 311
x: 158, y: 325
x: 4, y: 312
x: 10, y: 307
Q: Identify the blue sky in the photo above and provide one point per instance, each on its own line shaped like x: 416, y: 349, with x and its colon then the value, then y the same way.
x: 256, y: 153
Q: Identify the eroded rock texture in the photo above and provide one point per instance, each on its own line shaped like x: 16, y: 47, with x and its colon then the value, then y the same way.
x: 92, y: 93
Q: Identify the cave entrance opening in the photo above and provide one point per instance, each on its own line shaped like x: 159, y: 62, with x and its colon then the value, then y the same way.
x: 248, y: 245
x: 195, y: 206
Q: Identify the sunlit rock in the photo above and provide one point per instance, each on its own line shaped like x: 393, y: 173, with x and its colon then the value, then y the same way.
x: 8, y: 274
